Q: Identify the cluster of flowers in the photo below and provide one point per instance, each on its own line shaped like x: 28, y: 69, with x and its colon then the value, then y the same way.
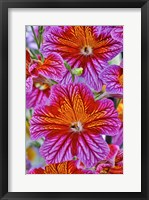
x: 74, y: 99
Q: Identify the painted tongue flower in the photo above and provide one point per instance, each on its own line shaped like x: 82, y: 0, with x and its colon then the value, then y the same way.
x: 40, y: 76
x: 112, y: 77
x: 82, y: 46
x: 69, y: 167
x: 113, y: 164
x: 72, y: 125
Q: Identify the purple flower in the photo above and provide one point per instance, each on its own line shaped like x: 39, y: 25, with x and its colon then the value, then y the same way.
x: 73, y: 124
x: 112, y: 77
x: 89, y: 47
x: 40, y: 76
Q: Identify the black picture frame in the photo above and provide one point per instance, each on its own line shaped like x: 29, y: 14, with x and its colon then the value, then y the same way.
x: 4, y: 6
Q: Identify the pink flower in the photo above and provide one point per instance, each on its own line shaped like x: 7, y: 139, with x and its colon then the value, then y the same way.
x: 113, y: 164
x: 40, y: 76
x: 73, y: 124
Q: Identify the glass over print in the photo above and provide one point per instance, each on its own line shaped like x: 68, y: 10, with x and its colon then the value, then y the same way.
x: 74, y: 99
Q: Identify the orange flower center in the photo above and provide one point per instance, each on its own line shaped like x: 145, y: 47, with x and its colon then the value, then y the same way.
x: 41, y: 86
x: 87, y: 50
x: 76, y: 127
x: 121, y: 80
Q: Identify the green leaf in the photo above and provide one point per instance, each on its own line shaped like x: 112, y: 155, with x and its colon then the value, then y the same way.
x: 53, y: 82
x: 73, y: 77
x: 36, y: 51
x: 67, y: 66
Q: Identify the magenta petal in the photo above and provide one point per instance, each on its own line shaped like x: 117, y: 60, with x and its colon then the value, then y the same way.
x: 33, y: 71
x: 91, y: 149
x: 108, y: 122
x: 112, y: 154
x: 36, y: 97
x: 29, y: 84
x: 91, y: 71
x: 121, y: 64
x: 92, y: 74
x: 67, y: 78
x: 110, y: 47
x: 50, y: 37
x: 60, y: 92
x: 110, y: 77
x: 97, y: 30
x: 101, y: 166
x: 53, y: 67
x: 37, y: 129
x: 118, y: 139
x: 57, y: 149
x: 117, y: 33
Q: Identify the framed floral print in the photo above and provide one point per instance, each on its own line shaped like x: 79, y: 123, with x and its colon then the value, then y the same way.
x: 74, y: 99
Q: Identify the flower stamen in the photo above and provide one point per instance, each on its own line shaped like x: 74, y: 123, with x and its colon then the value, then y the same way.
x: 76, y: 127
x: 41, y: 86
x: 87, y: 50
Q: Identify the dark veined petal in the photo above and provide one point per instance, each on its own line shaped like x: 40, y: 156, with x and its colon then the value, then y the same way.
x: 57, y: 148
x: 69, y: 167
x: 117, y: 33
x: 91, y: 149
x: 36, y: 97
x: 112, y: 77
x: 52, y: 67
x: 103, y: 119
x: 29, y: 84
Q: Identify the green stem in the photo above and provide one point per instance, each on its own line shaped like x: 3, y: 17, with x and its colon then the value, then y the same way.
x: 73, y: 77
x: 102, y: 96
x: 40, y: 32
x: 35, y: 37
x: 34, y: 55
